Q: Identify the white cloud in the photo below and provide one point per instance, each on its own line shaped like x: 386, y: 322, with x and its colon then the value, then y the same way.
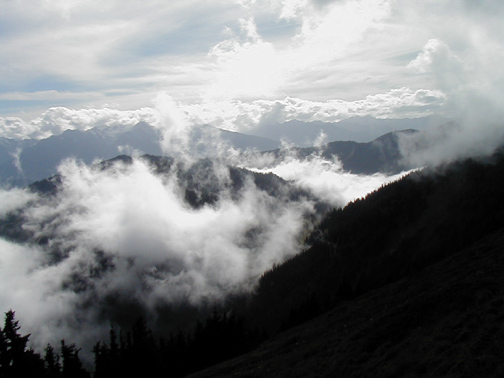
x: 13, y: 199
x: 436, y: 56
x: 233, y: 115
x: 145, y: 48
x: 245, y: 116
x: 127, y: 233
x: 324, y: 178
x: 245, y: 69
x: 471, y: 80
x: 387, y: 59
x: 56, y: 120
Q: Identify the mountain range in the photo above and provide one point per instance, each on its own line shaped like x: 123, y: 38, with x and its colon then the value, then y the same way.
x: 444, y: 321
x: 357, y: 129
x: 25, y: 161
x: 382, y: 154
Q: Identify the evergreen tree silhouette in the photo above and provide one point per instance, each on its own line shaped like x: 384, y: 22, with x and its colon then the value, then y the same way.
x: 71, y: 364
x: 15, y: 359
x: 51, y: 363
x: 4, y: 355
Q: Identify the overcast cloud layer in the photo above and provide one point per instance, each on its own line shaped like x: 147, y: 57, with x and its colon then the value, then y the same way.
x: 83, y: 54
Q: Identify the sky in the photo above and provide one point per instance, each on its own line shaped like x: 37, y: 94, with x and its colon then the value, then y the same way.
x: 232, y: 63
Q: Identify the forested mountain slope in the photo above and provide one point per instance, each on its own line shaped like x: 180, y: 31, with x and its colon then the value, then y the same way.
x: 443, y: 321
x: 393, y: 233
x: 408, y: 282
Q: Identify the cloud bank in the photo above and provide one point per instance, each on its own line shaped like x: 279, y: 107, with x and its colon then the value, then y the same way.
x: 474, y: 97
x: 236, y: 115
x: 56, y: 120
x: 127, y: 235
x: 324, y: 178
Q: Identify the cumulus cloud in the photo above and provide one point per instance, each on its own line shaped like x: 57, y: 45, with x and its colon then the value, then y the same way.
x: 125, y: 234
x: 436, y: 56
x: 471, y: 83
x: 245, y: 116
x: 173, y: 124
x: 234, y: 115
x: 246, y: 66
x: 322, y: 177
x: 334, y: 49
x: 56, y: 120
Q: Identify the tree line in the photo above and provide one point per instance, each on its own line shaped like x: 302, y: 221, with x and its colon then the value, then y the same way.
x: 17, y: 360
x: 137, y: 352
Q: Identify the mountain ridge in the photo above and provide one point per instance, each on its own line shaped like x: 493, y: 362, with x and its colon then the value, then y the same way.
x: 381, y: 155
x: 358, y: 129
x: 39, y: 159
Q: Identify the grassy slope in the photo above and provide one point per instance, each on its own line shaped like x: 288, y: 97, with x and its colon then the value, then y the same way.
x: 446, y: 320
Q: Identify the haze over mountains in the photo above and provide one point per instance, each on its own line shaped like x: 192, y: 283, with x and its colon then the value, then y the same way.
x: 93, y: 223
x: 357, y: 129
x: 137, y: 235
x: 29, y: 160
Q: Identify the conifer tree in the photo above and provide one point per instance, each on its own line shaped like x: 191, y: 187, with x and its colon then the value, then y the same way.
x: 51, y: 363
x: 15, y: 359
x: 71, y: 364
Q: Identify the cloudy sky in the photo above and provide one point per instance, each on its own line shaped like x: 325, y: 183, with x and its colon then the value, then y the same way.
x: 230, y: 62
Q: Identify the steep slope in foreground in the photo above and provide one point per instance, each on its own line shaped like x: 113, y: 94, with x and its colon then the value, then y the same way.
x: 443, y: 321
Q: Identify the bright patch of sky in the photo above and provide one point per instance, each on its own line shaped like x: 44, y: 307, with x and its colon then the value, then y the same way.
x: 388, y: 59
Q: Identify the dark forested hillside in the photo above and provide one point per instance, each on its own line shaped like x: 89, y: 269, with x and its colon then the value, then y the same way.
x: 445, y: 321
x: 410, y: 280
x: 393, y: 233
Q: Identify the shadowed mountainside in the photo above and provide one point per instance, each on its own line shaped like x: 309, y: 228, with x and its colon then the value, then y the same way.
x: 394, y: 232
x: 408, y: 282
x: 383, y: 154
x: 443, y: 321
